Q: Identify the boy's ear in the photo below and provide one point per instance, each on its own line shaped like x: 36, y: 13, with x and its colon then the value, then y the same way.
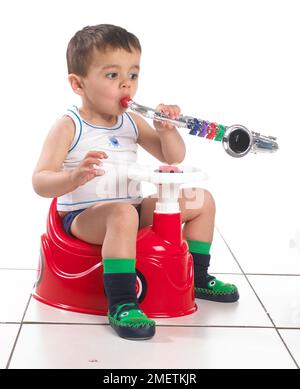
x: 76, y: 83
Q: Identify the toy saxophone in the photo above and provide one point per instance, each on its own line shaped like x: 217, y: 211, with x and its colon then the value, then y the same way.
x: 237, y: 140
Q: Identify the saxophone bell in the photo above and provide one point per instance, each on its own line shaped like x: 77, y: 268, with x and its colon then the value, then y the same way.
x: 239, y: 141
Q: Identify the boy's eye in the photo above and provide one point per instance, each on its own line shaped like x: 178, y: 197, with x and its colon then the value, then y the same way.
x: 133, y: 76
x: 112, y: 76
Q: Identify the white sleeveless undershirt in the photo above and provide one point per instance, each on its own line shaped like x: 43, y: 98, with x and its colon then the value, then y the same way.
x: 120, y: 144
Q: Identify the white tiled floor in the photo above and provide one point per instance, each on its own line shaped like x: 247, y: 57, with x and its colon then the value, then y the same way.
x: 261, y: 330
x: 95, y: 346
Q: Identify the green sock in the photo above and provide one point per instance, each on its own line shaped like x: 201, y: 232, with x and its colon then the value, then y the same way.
x: 201, y: 258
x: 118, y: 265
x: 206, y: 286
x: 196, y: 246
x: 119, y: 279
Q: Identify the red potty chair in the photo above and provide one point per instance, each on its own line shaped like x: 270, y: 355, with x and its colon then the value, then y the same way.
x: 70, y: 271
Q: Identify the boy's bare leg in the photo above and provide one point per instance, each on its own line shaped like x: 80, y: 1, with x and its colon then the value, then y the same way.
x: 113, y: 225
x: 198, y: 209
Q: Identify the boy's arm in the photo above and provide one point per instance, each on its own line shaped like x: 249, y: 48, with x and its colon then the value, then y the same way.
x: 48, y: 180
x: 167, y: 146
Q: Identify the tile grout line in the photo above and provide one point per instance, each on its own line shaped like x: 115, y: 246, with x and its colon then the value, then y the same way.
x: 159, y: 325
x: 17, y: 268
x: 18, y: 334
x: 273, y: 274
x: 267, y: 313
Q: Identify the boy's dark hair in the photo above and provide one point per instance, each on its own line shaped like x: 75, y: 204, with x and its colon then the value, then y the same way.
x: 101, y: 37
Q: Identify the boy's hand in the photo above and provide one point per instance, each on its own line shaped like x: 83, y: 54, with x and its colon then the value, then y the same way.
x: 86, y: 170
x: 172, y: 111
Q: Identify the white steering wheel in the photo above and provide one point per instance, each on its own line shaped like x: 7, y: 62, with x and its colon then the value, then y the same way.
x: 168, y: 180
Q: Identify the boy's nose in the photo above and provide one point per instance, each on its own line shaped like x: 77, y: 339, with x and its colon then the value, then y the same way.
x: 126, y: 84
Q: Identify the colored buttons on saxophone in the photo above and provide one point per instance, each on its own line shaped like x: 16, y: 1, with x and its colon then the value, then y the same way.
x: 204, y: 128
x: 211, y: 131
x: 219, y: 132
x: 195, y: 128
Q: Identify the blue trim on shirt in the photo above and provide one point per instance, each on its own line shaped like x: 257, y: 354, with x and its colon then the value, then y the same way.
x: 132, y: 122
x: 95, y: 201
x: 80, y: 131
x: 104, y: 128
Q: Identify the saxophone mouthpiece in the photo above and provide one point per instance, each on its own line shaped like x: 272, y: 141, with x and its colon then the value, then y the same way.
x: 124, y: 101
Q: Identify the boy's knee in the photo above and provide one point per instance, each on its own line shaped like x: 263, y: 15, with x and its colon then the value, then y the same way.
x: 125, y: 214
x: 198, y: 198
x: 193, y: 198
x: 209, y: 199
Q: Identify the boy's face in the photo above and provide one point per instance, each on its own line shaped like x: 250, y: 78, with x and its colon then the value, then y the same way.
x: 111, y: 76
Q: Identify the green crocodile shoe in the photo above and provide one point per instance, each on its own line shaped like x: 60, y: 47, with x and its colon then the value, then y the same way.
x: 130, y: 322
x: 217, y: 291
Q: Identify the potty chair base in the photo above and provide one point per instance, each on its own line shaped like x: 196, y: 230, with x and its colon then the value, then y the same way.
x: 70, y: 273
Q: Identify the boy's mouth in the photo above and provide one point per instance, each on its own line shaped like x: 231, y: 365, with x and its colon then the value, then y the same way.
x: 124, y: 101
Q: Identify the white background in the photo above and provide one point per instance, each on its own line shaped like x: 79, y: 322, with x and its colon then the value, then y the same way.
x: 226, y: 61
